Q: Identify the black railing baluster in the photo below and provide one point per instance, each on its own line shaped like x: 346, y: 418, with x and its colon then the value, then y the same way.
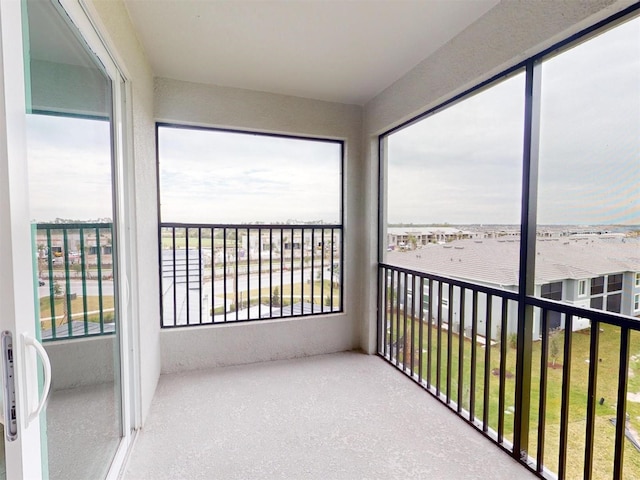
x: 429, y: 333
x: 449, y: 339
x: 174, y: 284
x: 213, y: 275
x: 420, y: 329
x: 487, y: 364
x: 461, y: 326
x: 260, y: 273
x: 439, y: 340
x: 247, y: 253
x: 565, y: 399
x: 200, y: 275
x: 621, y: 413
x: 503, y: 368
x: 405, y: 307
x: 302, y: 249
x: 413, y: 322
x: 235, y: 279
x: 187, y: 278
x: 333, y: 265
x: 474, y: 359
x: 224, y: 271
x: 293, y: 251
x: 393, y: 313
x: 281, y: 296
x: 313, y: 267
x: 322, y: 253
x: 542, y: 401
x: 83, y: 266
x: 594, y: 343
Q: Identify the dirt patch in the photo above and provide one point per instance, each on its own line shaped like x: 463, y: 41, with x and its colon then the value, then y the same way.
x: 507, y: 374
x: 555, y: 366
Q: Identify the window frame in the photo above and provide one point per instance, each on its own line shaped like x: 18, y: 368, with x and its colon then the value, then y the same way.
x: 338, y: 263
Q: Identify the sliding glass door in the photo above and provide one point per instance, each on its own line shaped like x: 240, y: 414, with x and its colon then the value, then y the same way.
x: 63, y: 264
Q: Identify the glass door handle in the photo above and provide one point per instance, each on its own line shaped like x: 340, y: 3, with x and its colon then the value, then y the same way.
x: 29, y: 341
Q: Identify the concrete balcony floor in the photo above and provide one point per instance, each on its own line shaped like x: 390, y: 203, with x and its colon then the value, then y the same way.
x: 339, y: 416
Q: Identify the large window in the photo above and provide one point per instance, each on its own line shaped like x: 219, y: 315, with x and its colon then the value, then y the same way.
x: 251, y: 225
x: 508, y: 192
x: 454, y: 177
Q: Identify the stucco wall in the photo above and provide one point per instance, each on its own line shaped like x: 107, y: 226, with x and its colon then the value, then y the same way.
x: 113, y: 22
x: 508, y: 34
x: 207, y: 105
x: 81, y: 362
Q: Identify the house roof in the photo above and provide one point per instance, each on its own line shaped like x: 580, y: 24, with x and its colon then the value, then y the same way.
x: 495, y: 261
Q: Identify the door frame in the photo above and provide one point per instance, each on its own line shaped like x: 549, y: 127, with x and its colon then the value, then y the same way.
x: 17, y: 291
x: 86, y: 20
x: 23, y: 456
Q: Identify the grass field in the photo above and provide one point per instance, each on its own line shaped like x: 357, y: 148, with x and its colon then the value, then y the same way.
x: 77, y: 307
x: 607, y: 387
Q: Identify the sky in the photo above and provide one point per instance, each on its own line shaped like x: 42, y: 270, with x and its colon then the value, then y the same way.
x: 69, y: 164
x: 209, y: 176
x: 459, y: 166
x: 462, y: 165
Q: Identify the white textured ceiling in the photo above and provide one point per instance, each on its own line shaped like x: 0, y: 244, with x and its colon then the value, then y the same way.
x: 340, y: 51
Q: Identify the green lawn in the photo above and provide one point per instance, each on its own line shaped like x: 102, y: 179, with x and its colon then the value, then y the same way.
x: 285, y: 294
x: 77, y: 306
x: 606, y: 388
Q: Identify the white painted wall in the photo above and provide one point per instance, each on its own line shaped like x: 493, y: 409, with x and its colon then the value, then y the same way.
x: 81, y: 362
x: 508, y: 34
x: 207, y: 105
x: 113, y: 22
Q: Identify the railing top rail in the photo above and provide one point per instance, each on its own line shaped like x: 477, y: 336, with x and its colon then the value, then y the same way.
x: 250, y: 226
x: 71, y: 226
x: 605, y: 317
x: 610, y: 318
x: 508, y: 294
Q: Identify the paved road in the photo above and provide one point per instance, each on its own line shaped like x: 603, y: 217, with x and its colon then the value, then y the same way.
x: 76, y: 287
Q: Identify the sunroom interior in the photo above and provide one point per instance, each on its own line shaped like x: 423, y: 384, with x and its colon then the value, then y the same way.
x: 348, y: 72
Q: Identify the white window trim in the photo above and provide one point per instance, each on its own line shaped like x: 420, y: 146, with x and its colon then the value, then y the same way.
x: 582, y: 292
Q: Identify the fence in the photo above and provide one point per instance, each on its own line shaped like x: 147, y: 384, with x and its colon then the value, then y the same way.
x: 214, y: 273
x: 75, y: 280
x: 564, y: 403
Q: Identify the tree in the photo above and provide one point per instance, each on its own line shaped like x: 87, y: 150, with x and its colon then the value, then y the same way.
x: 275, y: 297
x: 554, y: 349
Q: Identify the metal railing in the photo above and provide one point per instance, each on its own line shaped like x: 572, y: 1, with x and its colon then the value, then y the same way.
x: 75, y: 280
x: 459, y: 341
x: 232, y: 273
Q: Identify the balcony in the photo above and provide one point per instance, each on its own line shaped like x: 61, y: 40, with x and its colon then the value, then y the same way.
x: 339, y: 416
x: 457, y: 340
x: 229, y: 350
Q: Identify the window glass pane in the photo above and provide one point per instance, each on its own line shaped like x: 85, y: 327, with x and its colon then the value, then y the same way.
x: 596, y: 302
x: 582, y: 287
x: 589, y: 172
x: 70, y: 158
x: 597, y: 285
x: 552, y: 291
x: 614, y: 283
x: 613, y: 302
x: 214, y: 176
x: 443, y: 213
x: 259, y: 232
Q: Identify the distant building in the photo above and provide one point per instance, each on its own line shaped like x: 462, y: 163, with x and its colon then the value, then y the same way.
x: 600, y: 272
